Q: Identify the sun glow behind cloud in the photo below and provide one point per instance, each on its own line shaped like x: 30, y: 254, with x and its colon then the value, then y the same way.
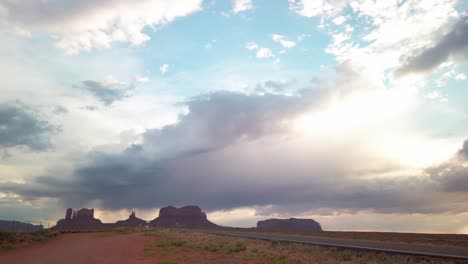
x: 361, y: 110
x: 379, y: 120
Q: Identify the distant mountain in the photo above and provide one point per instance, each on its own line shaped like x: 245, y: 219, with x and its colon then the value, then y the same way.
x: 132, y: 221
x: 188, y: 216
x: 18, y: 226
x: 291, y: 224
x: 77, y: 219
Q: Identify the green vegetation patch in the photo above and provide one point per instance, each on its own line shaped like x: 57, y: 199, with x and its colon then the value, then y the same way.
x: 238, y: 247
x: 203, y: 248
x: 10, y: 240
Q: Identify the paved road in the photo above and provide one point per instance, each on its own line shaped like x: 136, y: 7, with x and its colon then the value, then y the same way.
x: 391, y: 247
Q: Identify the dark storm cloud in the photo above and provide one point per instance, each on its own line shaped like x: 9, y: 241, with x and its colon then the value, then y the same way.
x: 453, y: 45
x: 130, y: 181
x: 104, y: 177
x: 275, y: 86
x: 455, y: 180
x: 453, y: 174
x: 37, y: 13
x: 219, y: 119
x: 21, y: 126
x: 230, y: 151
x: 464, y: 150
x: 107, y: 93
x: 144, y: 175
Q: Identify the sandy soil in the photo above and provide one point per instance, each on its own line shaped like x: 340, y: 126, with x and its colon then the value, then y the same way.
x: 192, y: 247
x: 90, y: 248
x: 180, y: 246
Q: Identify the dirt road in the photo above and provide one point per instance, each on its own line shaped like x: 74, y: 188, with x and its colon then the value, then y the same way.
x: 87, y: 248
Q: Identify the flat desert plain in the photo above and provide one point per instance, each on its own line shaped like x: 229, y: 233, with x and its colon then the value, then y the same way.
x: 186, y: 246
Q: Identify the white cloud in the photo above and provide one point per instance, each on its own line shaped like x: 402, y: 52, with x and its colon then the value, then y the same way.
x: 264, y: 53
x: 340, y: 38
x: 251, y: 46
x: 225, y: 14
x: 311, y: 8
x: 277, y: 60
x: 392, y: 30
x: 110, y: 80
x: 460, y: 77
x: 141, y: 79
x: 301, y: 37
x: 210, y: 44
x: 82, y: 25
x: 349, y: 28
x: 449, y: 75
x: 433, y: 95
x: 339, y: 20
x: 22, y: 32
x: 283, y: 41
x: 164, y: 68
x: 241, y: 5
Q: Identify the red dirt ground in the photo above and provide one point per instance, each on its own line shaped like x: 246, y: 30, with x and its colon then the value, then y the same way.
x: 90, y: 248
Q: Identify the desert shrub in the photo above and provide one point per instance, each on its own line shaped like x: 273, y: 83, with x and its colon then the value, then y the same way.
x: 151, y: 233
x: 280, y: 260
x: 344, y: 255
x: 7, y: 236
x: 212, y: 247
x: 249, y: 257
x: 178, y: 243
x: 238, y: 247
x: 6, y: 246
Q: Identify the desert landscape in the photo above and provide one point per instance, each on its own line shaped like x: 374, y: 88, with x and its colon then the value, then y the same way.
x: 233, y: 131
x: 185, y: 235
x: 168, y: 245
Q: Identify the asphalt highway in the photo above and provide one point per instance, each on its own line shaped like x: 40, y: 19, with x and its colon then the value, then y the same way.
x: 367, y: 245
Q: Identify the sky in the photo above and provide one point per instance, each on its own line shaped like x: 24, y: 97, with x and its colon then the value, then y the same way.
x: 350, y: 112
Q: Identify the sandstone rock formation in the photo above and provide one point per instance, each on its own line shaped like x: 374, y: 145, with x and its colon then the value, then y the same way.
x: 132, y: 221
x: 18, y: 226
x: 291, y: 224
x: 188, y: 216
x: 81, y: 218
